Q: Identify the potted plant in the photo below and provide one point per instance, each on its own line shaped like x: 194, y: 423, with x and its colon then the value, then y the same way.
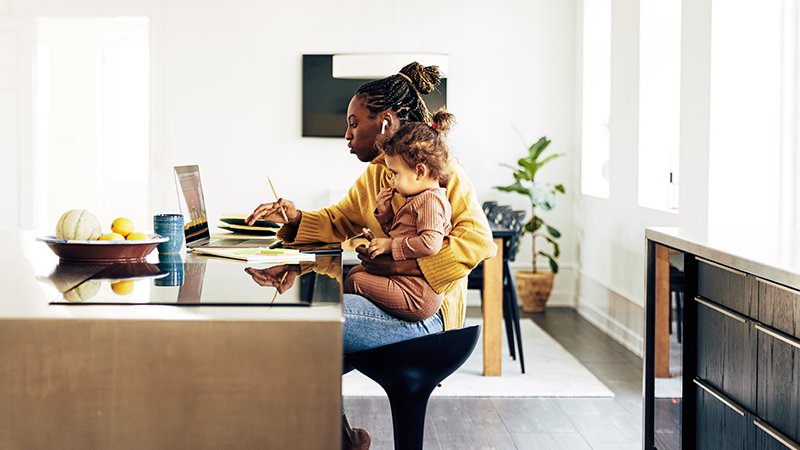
x: 533, y: 286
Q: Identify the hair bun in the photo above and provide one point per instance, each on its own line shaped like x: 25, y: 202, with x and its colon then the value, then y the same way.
x: 443, y: 120
x: 424, y: 78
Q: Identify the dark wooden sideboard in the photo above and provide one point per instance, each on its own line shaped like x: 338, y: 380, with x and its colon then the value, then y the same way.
x: 741, y: 342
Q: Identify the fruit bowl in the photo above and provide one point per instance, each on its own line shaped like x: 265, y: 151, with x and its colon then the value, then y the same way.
x: 103, y: 251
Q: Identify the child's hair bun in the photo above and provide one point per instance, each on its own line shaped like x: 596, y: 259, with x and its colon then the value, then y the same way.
x: 443, y: 121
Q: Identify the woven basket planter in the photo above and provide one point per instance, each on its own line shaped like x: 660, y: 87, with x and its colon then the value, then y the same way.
x: 534, y: 289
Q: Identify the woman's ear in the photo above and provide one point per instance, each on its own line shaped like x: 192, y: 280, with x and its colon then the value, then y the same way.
x: 389, y: 121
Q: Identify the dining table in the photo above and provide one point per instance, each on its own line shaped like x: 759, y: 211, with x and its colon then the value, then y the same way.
x: 492, y: 304
x: 169, y: 352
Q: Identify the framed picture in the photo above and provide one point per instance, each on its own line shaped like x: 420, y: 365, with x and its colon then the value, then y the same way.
x: 325, y: 98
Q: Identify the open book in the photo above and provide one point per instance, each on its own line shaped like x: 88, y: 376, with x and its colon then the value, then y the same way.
x: 255, y: 255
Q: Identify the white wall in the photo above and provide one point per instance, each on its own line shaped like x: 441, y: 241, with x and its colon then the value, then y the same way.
x: 234, y: 84
x: 226, y: 90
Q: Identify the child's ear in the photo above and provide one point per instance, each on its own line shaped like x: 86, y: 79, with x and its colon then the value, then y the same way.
x: 421, y: 171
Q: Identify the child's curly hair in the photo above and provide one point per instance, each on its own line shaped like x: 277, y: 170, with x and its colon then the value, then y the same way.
x: 420, y: 143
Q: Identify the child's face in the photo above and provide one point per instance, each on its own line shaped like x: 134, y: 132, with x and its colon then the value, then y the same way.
x: 406, y: 180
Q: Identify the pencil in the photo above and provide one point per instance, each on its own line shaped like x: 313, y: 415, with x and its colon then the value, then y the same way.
x: 276, y: 199
x: 276, y: 287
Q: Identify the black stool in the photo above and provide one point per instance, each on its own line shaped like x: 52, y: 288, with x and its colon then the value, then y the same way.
x: 409, y: 371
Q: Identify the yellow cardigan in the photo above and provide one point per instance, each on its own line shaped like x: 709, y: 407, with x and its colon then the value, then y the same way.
x: 469, y: 243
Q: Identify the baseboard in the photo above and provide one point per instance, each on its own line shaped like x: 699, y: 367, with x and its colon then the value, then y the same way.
x: 612, y: 313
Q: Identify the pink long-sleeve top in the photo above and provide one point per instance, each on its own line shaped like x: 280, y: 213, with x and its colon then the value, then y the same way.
x: 419, y: 227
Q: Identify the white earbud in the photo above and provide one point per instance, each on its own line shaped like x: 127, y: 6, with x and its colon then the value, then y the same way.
x: 383, y: 126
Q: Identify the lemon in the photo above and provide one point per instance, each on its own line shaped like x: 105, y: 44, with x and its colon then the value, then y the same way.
x: 111, y: 237
x: 122, y: 226
x: 122, y: 287
x: 137, y: 236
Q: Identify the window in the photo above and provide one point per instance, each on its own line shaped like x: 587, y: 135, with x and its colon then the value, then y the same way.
x: 93, y: 114
x: 595, y: 133
x: 659, y: 103
x: 126, y: 108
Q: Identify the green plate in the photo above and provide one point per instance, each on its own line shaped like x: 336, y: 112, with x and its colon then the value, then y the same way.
x: 243, y: 229
x: 259, y: 223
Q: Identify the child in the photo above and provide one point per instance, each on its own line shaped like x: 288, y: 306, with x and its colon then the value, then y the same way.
x: 418, y: 158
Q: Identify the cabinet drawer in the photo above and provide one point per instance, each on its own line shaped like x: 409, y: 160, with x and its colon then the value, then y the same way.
x: 721, y: 423
x: 779, y: 380
x: 725, y: 286
x: 768, y: 438
x: 779, y: 307
x: 726, y: 351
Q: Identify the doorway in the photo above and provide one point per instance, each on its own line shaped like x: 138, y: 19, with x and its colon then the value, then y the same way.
x: 93, y: 152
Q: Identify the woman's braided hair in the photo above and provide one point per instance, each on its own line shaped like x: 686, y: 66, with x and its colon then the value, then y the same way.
x: 419, y: 143
x: 401, y: 93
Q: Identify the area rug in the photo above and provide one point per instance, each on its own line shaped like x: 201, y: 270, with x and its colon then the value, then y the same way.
x: 551, y: 371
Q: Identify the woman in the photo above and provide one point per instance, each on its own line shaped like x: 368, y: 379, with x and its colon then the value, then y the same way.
x: 381, y: 107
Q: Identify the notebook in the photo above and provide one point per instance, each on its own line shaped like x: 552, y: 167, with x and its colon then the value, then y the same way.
x: 195, y: 218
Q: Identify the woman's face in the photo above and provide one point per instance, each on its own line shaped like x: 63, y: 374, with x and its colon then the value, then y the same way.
x: 362, y: 131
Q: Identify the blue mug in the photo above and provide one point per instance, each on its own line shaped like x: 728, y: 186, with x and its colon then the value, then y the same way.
x: 173, y: 265
x: 171, y: 226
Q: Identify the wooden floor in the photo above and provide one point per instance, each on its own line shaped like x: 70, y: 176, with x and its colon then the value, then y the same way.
x: 532, y: 423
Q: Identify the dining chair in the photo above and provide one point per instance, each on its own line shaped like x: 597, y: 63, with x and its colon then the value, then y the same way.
x: 409, y: 371
x: 514, y: 220
x: 488, y: 207
x: 499, y: 213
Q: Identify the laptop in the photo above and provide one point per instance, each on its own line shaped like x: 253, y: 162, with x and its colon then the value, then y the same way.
x: 195, y: 216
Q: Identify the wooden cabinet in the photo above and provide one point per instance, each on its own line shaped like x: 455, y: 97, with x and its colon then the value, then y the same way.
x: 725, y: 351
x: 741, y: 354
x: 724, y: 286
x: 779, y: 381
x: 748, y: 361
x: 768, y: 438
x: 779, y: 307
x: 721, y: 423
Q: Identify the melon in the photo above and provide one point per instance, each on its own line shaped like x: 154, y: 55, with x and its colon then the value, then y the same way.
x: 78, y: 225
x: 83, y: 292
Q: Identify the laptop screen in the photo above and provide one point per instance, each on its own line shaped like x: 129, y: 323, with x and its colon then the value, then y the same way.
x: 192, y: 204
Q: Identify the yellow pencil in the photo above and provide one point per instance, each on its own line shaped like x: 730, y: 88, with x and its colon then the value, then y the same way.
x: 276, y: 199
x: 276, y: 287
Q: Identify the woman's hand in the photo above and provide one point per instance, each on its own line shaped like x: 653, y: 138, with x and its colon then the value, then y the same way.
x: 272, y: 212
x: 383, y: 201
x: 281, y: 277
x: 384, y: 265
x: 368, y: 235
x: 379, y: 246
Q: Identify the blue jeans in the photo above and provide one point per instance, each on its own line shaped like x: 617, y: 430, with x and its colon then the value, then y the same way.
x: 366, y: 326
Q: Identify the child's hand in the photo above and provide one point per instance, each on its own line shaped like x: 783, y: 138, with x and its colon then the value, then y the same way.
x: 384, y: 200
x: 379, y: 246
